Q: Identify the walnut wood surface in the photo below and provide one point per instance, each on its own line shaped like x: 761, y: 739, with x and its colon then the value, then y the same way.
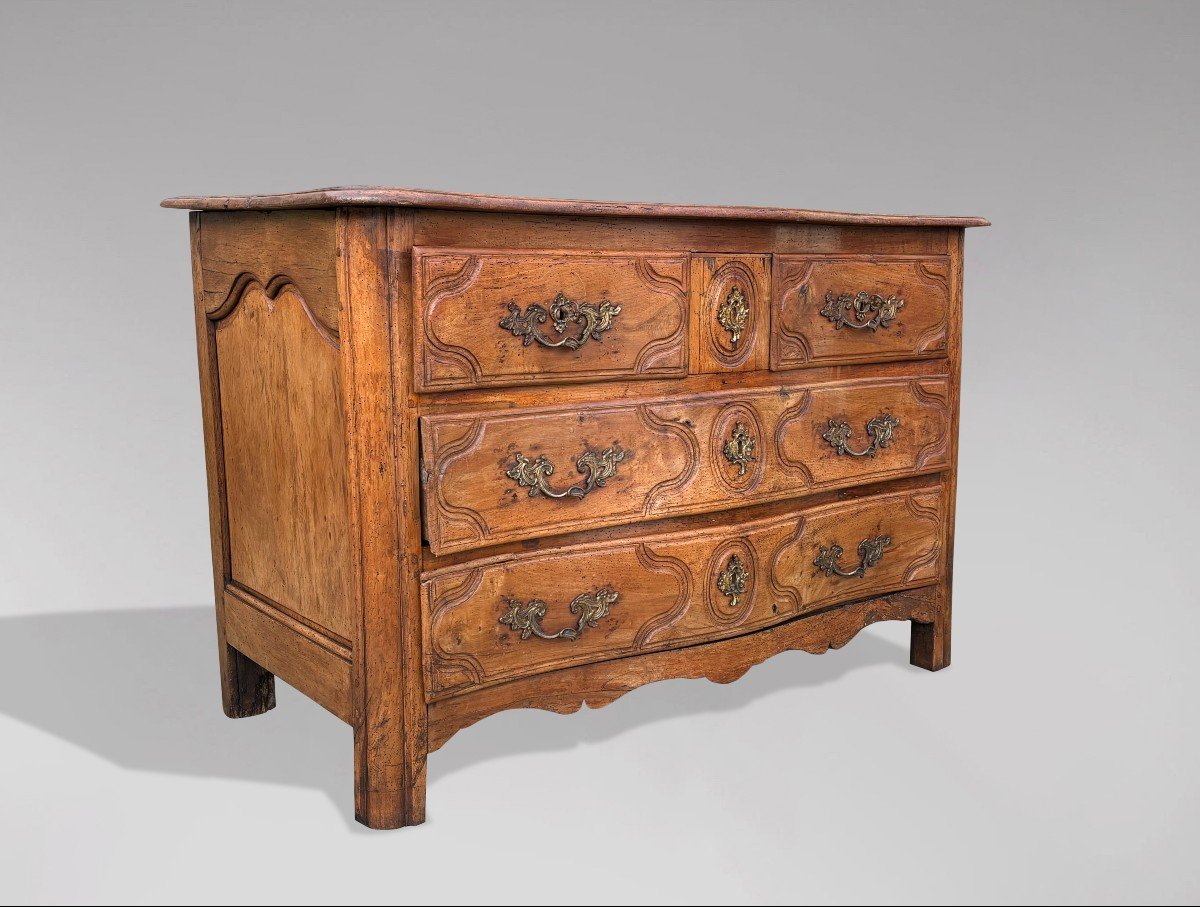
x: 802, y: 335
x: 354, y: 373
x: 930, y: 642
x: 344, y: 196
x: 674, y: 461
x: 463, y: 295
x: 314, y: 663
x: 298, y: 245
x: 714, y: 278
x: 667, y: 586
x: 377, y: 319
x: 724, y: 661
x: 247, y: 688
x: 474, y: 230
x: 285, y: 453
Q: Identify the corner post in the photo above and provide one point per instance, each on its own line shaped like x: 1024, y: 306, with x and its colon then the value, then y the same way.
x: 390, y: 737
x: 929, y: 646
x: 247, y: 688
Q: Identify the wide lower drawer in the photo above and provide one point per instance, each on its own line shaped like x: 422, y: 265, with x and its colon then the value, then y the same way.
x: 493, y: 477
x: 506, y: 617
x: 488, y: 318
x: 863, y: 308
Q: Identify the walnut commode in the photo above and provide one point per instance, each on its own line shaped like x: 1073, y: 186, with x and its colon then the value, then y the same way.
x: 469, y: 453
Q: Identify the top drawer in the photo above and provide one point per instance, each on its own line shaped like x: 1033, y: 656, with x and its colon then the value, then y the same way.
x: 844, y: 309
x: 497, y: 317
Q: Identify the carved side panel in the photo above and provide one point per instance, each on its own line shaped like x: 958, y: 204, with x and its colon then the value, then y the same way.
x: 489, y: 318
x: 494, y: 477
x: 732, y: 311
x: 846, y: 309
x: 283, y: 431
x: 671, y: 590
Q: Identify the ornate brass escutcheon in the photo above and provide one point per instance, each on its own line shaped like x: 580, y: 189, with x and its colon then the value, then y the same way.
x: 870, y: 552
x: 881, y: 429
x: 594, y: 320
x: 732, y: 581
x: 596, y: 468
x: 590, y: 606
x: 865, y: 311
x: 739, y: 450
x: 732, y: 314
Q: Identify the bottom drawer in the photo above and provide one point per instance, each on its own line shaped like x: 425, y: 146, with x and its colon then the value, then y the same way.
x: 504, y: 617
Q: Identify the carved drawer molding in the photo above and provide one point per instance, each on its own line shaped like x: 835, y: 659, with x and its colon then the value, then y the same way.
x: 668, y: 590
x: 501, y: 476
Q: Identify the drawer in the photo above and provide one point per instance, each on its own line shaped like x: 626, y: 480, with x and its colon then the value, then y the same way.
x: 488, y: 318
x: 501, y: 476
x: 507, y: 617
x: 839, y: 309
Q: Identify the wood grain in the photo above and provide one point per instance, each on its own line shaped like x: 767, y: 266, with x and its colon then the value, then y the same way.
x: 674, y: 460
x: 668, y: 590
x: 463, y: 295
x: 315, y: 664
x: 424, y: 198
x: 473, y: 230
x: 263, y: 244
x: 377, y: 322
x: 803, y: 336
x: 285, y: 454
x: 247, y: 688
x: 724, y: 661
x: 714, y: 278
x: 930, y: 641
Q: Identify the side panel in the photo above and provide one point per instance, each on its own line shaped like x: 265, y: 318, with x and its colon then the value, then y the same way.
x: 270, y: 296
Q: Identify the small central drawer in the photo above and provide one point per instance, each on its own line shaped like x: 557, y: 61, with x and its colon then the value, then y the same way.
x: 501, y: 476
x: 500, y: 618
x: 490, y: 318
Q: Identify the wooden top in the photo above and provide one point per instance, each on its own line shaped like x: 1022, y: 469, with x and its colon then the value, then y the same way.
x: 460, y: 201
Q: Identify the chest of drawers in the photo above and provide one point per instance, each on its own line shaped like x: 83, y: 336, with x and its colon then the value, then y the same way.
x: 469, y: 453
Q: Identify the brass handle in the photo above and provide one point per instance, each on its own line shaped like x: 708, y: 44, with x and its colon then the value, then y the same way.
x: 596, y: 468
x: 739, y: 450
x: 732, y: 580
x: 870, y: 551
x: 590, y: 606
x: 881, y: 429
x: 732, y: 314
x: 865, y: 311
x: 593, y: 319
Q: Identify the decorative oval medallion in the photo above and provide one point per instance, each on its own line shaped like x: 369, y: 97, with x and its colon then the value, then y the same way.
x: 736, y: 448
x: 732, y: 300
x: 729, y: 589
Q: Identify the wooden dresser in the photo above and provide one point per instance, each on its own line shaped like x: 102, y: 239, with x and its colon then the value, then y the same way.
x: 470, y: 453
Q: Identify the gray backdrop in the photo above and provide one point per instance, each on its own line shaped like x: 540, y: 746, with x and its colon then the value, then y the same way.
x: 1056, y: 761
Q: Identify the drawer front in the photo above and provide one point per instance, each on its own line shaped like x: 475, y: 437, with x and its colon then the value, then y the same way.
x: 506, y: 617
x: 493, y: 477
x: 731, y: 304
x: 490, y: 318
x: 859, y: 309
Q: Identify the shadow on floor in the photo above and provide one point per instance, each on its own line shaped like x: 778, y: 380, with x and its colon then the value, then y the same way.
x: 139, y: 688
